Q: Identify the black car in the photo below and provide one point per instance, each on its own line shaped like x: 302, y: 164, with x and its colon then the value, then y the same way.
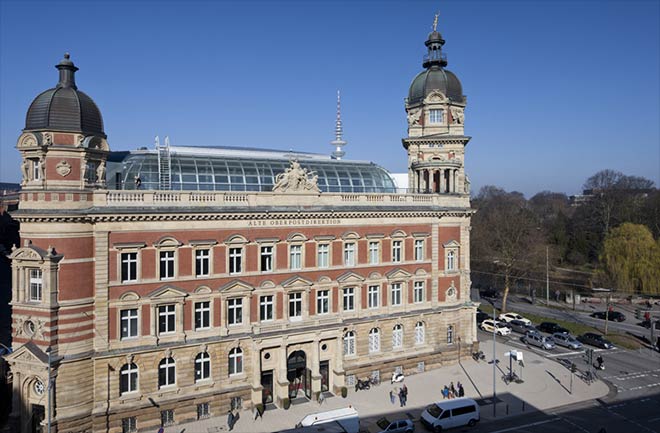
x: 614, y: 316
x: 595, y: 340
x: 481, y: 316
x: 551, y: 328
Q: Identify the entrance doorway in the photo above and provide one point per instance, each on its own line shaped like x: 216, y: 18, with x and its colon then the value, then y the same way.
x: 298, y: 375
x: 324, y: 369
x: 267, y: 385
x: 38, y: 415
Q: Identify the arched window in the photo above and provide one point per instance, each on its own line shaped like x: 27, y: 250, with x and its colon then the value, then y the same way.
x: 166, y: 372
x: 451, y: 261
x: 202, y: 366
x: 374, y: 340
x: 450, y: 334
x: 349, y: 343
x: 419, y: 333
x: 128, y: 378
x: 397, y: 337
x: 235, y: 361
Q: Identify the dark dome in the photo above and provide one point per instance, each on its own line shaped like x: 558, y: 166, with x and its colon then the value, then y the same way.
x: 64, y: 107
x: 435, y: 78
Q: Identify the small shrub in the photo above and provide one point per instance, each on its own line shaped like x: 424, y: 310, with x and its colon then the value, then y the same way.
x: 286, y: 403
x: 344, y: 391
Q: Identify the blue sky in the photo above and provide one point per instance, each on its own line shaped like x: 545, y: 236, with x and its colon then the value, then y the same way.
x: 557, y: 90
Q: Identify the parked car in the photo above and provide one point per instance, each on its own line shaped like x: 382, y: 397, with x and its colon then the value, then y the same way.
x: 520, y: 327
x: 614, y: 316
x: 481, y: 316
x: 551, y: 328
x: 595, y: 340
x: 535, y: 339
x: 491, y: 325
x: 396, y: 426
x: 566, y: 340
x: 508, y: 317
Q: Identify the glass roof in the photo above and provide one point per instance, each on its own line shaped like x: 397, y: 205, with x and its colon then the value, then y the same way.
x: 241, y: 169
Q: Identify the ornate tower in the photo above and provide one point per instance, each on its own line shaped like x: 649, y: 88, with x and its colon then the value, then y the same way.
x: 63, y: 146
x: 436, y: 141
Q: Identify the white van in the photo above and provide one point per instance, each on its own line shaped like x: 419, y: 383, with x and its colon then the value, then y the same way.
x: 346, y: 417
x: 451, y: 413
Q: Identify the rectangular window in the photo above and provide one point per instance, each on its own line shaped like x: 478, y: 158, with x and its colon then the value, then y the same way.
x: 396, y: 293
x: 266, y: 258
x: 36, y: 285
x: 323, y: 256
x: 266, y: 308
x: 167, y: 417
x: 418, y: 292
x: 202, y: 263
x: 374, y: 252
x: 129, y: 425
x: 36, y: 169
x: 396, y: 251
x: 128, y: 267
x: 349, y: 254
x: 435, y: 116
x: 166, y: 265
x: 235, y: 311
x: 295, y: 257
x: 349, y: 299
x: 323, y: 302
x: 166, y: 319
x: 202, y: 315
x: 419, y: 250
x: 203, y: 411
x: 295, y: 306
x: 235, y: 260
x: 129, y: 323
x: 372, y: 296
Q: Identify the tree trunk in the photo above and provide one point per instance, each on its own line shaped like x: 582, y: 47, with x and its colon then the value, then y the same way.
x: 506, y: 292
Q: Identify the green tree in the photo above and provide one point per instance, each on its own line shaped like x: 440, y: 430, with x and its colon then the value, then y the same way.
x: 630, y: 260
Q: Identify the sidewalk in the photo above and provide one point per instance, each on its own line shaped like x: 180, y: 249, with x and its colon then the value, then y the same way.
x: 546, y: 385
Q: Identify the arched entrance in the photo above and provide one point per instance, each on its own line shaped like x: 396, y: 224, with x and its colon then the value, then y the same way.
x: 298, y: 375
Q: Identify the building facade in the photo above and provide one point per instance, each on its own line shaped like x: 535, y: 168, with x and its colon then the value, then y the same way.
x: 154, y: 302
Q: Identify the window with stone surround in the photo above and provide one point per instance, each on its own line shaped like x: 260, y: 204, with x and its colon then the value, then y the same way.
x: 129, y: 266
x: 322, y: 302
x: 203, y: 411
x: 295, y: 257
x: 266, y: 258
x: 202, y: 315
x: 349, y: 253
x: 129, y: 324
x: 128, y: 379
x: 419, y: 250
x: 235, y: 260
x: 397, y: 337
x: 202, y: 262
x: 295, y: 306
x: 166, y: 319
x: 235, y: 311
x: 374, y: 252
x: 373, y: 296
x: 129, y: 425
x: 266, y: 307
x: 166, y: 265
x: 202, y: 366
x: 420, y: 333
x: 396, y: 294
x: 36, y: 285
x: 374, y: 340
x: 451, y: 260
x: 166, y: 372
x: 397, y: 251
x: 167, y: 417
x: 323, y: 255
x: 349, y: 343
x: 418, y: 292
x: 348, y: 299
x: 436, y: 116
x: 235, y: 361
x: 450, y: 334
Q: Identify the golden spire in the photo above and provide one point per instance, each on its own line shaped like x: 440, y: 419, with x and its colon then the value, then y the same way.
x: 435, y: 22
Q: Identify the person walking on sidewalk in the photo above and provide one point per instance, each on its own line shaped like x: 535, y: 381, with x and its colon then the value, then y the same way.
x: 404, y: 389
x: 452, y: 390
x: 445, y: 393
x: 230, y: 420
x: 401, y: 398
x: 392, y: 398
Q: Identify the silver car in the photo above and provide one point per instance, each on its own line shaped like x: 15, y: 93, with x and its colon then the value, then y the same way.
x: 396, y: 426
x: 566, y: 340
x: 535, y: 339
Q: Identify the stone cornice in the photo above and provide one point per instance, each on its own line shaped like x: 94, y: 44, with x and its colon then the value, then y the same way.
x: 435, y: 140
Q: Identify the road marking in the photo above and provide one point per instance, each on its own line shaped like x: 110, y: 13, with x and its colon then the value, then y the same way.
x: 566, y: 420
x: 526, y: 425
x: 566, y: 354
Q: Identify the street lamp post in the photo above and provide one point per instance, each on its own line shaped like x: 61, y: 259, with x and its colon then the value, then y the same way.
x: 547, y: 277
x: 494, y: 364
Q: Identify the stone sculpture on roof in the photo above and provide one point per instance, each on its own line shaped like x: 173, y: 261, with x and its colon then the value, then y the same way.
x: 296, y: 179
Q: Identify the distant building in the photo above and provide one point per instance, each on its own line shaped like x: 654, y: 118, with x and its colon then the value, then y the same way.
x: 175, y: 283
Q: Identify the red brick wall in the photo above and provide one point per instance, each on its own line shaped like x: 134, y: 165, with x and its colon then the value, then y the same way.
x: 112, y: 323
x: 312, y: 302
x: 146, y: 320
x: 310, y: 254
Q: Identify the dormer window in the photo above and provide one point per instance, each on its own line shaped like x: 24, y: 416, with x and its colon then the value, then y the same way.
x: 435, y: 116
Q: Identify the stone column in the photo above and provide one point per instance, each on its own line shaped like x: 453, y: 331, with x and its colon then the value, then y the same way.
x: 256, y: 374
x: 314, y: 367
x: 281, y: 385
x: 338, y: 377
x: 451, y: 180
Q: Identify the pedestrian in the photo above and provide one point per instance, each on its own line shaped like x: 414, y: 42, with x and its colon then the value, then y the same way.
x: 461, y: 391
x: 445, y: 393
x: 392, y: 398
x: 401, y: 398
x: 405, y: 390
x: 138, y: 182
x: 452, y: 388
x: 230, y: 420
x: 321, y: 398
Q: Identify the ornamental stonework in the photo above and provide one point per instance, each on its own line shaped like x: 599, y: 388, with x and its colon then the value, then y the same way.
x: 63, y: 168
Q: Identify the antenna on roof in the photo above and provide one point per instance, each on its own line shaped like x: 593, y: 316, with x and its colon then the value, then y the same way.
x: 338, y: 142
